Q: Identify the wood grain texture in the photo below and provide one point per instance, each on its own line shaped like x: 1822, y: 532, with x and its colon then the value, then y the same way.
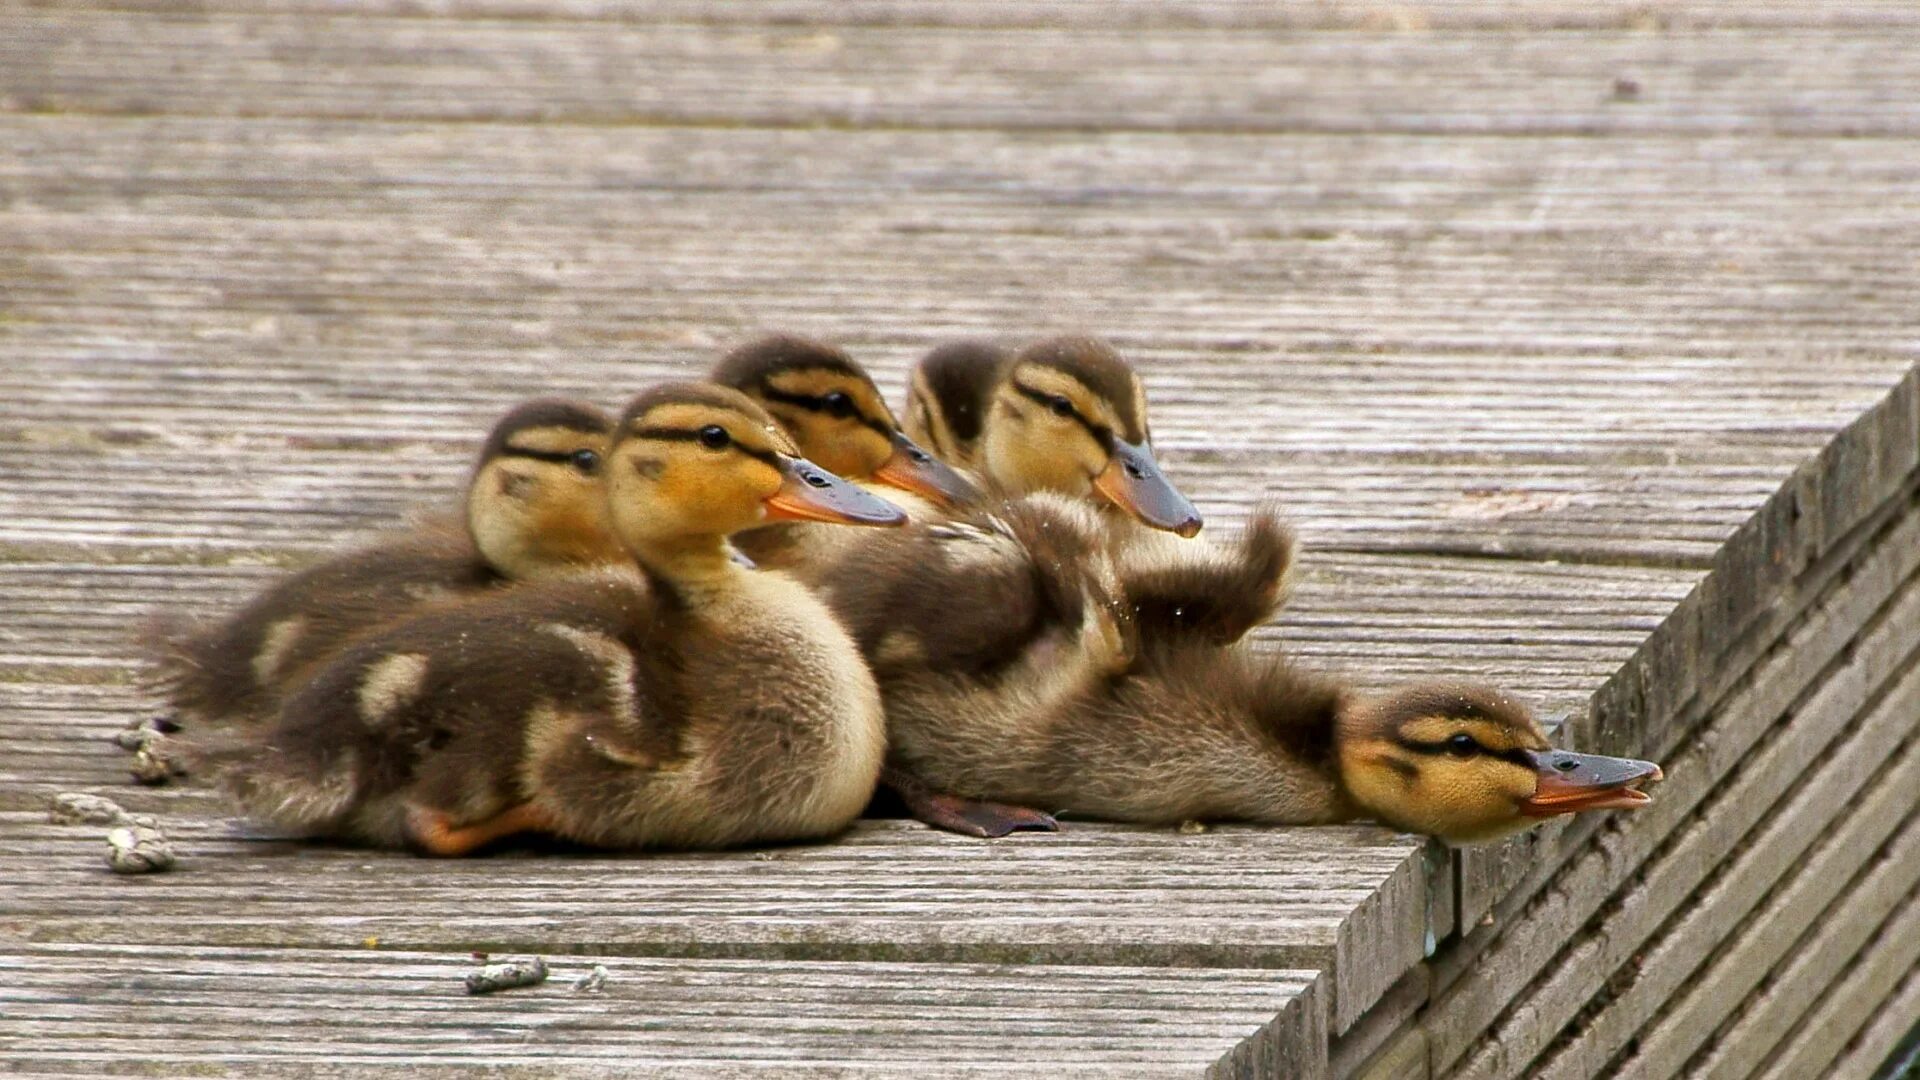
x: 1815, y: 81
x: 1540, y: 319
x: 1411, y: 16
x: 233, y: 1011
x: 1847, y: 646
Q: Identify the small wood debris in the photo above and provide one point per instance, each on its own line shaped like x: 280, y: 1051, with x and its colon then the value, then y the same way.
x: 153, y: 762
x: 1192, y: 828
x: 593, y: 981
x: 137, y: 846
x: 530, y: 971
x: 79, y: 808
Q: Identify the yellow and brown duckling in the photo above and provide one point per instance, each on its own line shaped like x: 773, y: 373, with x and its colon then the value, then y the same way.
x: 1069, y: 415
x: 1063, y: 705
x: 534, y: 508
x: 1215, y: 734
x: 1065, y: 414
x: 833, y: 412
x: 698, y: 704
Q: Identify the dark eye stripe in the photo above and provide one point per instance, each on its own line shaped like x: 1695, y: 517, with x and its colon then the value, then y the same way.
x: 668, y: 434
x: 818, y: 403
x: 1045, y: 401
x: 1439, y: 749
x: 558, y: 457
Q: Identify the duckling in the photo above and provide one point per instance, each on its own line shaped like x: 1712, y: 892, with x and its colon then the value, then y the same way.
x: 534, y: 508
x: 833, y: 412
x: 1210, y: 734
x: 698, y: 704
x: 1068, y: 414
x: 1186, y: 729
x: 1065, y: 414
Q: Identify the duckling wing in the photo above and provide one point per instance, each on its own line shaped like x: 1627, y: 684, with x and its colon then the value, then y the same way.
x: 970, y: 596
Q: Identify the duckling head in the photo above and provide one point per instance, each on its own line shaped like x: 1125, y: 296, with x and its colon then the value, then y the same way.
x: 836, y: 416
x: 1468, y: 765
x: 695, y: 462
x: 536, y: 502
x: 1069, y: 415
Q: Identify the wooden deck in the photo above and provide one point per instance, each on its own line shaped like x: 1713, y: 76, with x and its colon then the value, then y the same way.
x: 1577, y: 337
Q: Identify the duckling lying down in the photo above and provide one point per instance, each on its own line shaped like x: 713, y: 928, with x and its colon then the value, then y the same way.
x: 1012, y: 673
x: 693, y: 704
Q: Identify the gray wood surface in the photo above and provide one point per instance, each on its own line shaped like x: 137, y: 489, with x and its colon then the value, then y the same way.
x: 152, y: 1010
x: 1536, y: 317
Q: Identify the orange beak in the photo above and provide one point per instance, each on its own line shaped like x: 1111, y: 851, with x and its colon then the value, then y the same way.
x: 1570, y: 783
x: 1133, y: 482
x: 913, y: 469
x: 811, y: 493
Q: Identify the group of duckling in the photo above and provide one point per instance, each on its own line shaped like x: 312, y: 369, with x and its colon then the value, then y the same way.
x: 729, y: 614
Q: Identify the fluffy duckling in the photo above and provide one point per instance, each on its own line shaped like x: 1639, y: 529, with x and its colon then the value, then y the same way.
x: 1064, y: 718
x: 534, y: 509
x: 833, y: 412
x: 700, y: 704
x: 1065, y: 414
x: 1213, y: 734
x: 1069, y: 415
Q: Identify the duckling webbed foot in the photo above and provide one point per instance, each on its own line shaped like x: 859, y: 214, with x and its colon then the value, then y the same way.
x: 968, y: 817
x: 432, y: 832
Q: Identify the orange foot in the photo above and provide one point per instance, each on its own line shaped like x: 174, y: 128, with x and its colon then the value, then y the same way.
x: 432, y: 832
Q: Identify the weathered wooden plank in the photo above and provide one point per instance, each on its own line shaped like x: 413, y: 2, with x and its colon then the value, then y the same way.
x: 1348, y: 901
x: 1715, y: 825
x: 1780, y: 560
x: 1816, y: 81
x: 122, y: 1009
x: 1413, y: 16
x: 1762, y: 898
x: 1850, y: 626
x: 1872, y: 1053
x: 1890, y: 951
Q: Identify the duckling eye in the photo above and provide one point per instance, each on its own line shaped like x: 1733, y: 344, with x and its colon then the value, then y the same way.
x: 1462, y: 745
x: 586, y: 461
x: 715, y: 437
x: 1060, y: 405
x: 838, y: 404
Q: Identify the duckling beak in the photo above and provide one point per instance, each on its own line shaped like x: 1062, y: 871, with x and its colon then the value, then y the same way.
x: 1570, y: 783
x: 811, y: 493
x: 913, y: 469
x: 1133, y: 481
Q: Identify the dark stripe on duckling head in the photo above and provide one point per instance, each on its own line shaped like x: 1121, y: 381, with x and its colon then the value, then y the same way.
x: 1054, y: 403
x: 819, y: 403
x: 1464, y: 745
x: 675, y: 434
x: 961, y: 376
x: 1095, y: 365
x: 753, y: 364
x: 546, y: 413
x: 690, y: 392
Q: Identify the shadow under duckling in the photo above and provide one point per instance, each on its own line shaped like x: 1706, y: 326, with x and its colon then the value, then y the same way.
x: 834, y: 413
x: 700, y: 704
x: 534, y: 509
x: 1069, y: 415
